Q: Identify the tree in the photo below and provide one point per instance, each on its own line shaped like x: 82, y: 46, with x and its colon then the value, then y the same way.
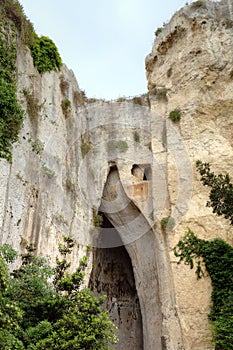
x: 221, y: 193
x: 54, y: 310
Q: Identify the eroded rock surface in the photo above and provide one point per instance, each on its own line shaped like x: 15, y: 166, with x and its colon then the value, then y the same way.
x: 72, y: 162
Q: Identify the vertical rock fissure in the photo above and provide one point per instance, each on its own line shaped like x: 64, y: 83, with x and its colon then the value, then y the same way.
x: 112, y: 275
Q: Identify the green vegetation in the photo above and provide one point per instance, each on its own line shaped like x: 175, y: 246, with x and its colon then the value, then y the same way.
x: 14, y: 23
x: 136, y: 136
x: 167, y: 223
x: 216, y: 255
x: 44, y: 52
x: 221, y: 193
x: 121, y: 145
x: 175, y: 115
x: 49, y: 172
x: 137, y: 100
x: 85, y: 148
x: 45, y: 55
x: 13, y: 11
x: 66, y: 107
x: 45, y: 308
x: 158, y: 31
x: 97, y: 219
x: 11, y: 117
x: 37, y: 146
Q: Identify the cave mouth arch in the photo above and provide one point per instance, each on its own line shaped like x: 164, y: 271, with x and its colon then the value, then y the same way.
x: 112, y: 275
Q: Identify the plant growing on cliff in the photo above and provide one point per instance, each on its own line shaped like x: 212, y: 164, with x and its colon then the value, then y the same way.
x: 13, y: 11
x: 85, y: 148
x: 47, y: 308
x: 221, y: 193
x: 97, y: 219
x: 175, y: 115
x: 158, y: 31
x: 216, y: 255
x: 45, y: 55
x: 66, y: 107
x: 11, y: 115
x: 167, y: 223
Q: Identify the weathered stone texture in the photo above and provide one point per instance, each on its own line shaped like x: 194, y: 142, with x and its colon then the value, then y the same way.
x: 136, y: 166
x: 191, y: 63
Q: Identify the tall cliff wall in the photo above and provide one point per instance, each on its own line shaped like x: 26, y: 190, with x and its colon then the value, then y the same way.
x: 190, y: 68
x: 130, y: 164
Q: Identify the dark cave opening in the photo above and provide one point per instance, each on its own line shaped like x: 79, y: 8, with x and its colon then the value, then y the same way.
x: 112, y: 275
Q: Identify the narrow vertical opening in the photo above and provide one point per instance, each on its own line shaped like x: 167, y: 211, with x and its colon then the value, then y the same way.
x: 112, y: 275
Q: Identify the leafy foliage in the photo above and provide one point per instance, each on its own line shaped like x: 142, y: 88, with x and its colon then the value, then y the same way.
x: 13, y: 11
x: 45, y: 55
x: 221, y: 193
x: 158, y: 31
x: 217, y: 256
x: 175, y: 115
x: 47, y: 308
x: 167, y: 223
x: 11, y: 113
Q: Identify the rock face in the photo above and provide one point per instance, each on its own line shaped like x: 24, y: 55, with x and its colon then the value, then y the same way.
x: 132, y: 166
x: 190, y: 68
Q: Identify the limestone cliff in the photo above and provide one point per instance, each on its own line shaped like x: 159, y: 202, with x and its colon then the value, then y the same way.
x: 79, y: 159
x: 190, y: 68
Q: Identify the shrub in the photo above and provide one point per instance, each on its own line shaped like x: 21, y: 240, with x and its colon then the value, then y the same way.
x: 37, y: 146
x: 158, y: 31
x: 136, y: 137
x: 13, y: 10
x: 137, y: 100
x: 48, y: 308
x: 12, y: 115
x: 85, y: 148
x: 66, y: 107
x: 97, y: 219
x: 217, y: 257
x: 45, y: 55
x: 167, y: 223
x: 175, y: 115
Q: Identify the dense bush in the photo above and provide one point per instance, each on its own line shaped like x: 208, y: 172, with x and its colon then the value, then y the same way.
x: 175, y: 115
x: 45, y: 55
x: 11, y: 113
x: 221, y: 191
x: 47, y: 308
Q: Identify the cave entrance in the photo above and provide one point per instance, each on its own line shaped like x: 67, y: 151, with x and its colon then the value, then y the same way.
x: 112, y: 275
